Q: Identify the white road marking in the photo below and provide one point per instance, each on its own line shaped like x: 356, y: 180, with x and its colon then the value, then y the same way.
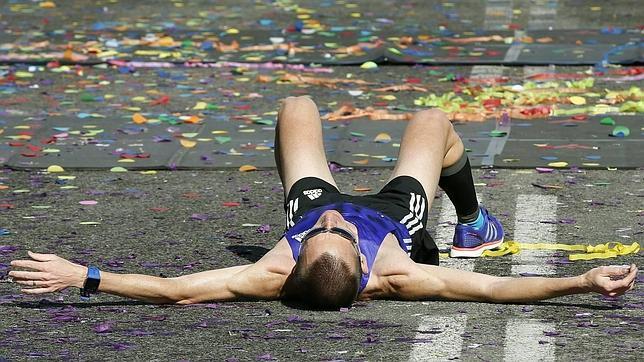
x: 535, y: 222
x: 543, y: 14
x: 529, y: 71
x: 525, y: 340
x: 445, y: 333
x: 487, y: 71
x: 516, y: 48
x: 498, y: 14
x: 445, y: 234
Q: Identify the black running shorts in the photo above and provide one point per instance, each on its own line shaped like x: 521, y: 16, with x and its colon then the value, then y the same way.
x: 403, y: 199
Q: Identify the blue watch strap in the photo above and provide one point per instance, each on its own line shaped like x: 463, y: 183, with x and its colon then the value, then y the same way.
x: 92, y: 282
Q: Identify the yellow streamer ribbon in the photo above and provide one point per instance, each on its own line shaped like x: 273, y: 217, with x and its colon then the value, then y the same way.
x: 587, y: 252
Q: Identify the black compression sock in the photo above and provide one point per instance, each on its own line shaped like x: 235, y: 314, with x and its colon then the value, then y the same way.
x: 457, y: 182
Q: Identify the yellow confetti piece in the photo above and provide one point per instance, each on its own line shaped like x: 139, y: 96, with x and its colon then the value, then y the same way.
x: 558, y: 164
x: 22, y: 74
x: 126, y: 160
x: 190, y: 135
x: 577, y: 100
x: 200, y: 106
x: 118, y: 169
x: 149, y: 172
x: 382, y: 138
x: 187, y: 143
x: 219, y: 132
x: 138, y: 118
x: 50, y: 150
x: 68, y: 187
x: 595, y: 8
x: 247, y: 168
x: 54, y: 169
x: 47, y: 4
x: 66, y: 177
x: 361, y: 162
x: 232, y: 31
x: 369, y: 65
x: 21, y: 191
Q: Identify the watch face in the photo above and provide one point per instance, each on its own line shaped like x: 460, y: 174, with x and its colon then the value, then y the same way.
x: 93, y: 280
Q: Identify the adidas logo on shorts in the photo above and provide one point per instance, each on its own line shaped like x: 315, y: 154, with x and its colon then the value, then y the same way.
x: 313, y: 194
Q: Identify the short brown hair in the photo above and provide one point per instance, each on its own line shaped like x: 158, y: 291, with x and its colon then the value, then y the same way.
x: 328, y: 283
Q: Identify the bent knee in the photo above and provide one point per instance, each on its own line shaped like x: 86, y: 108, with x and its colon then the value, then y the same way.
x: 297, y: 102
x: 434, y: 117
x: 433, y: 114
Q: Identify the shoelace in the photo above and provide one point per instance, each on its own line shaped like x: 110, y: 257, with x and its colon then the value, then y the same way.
x: 588, y: 252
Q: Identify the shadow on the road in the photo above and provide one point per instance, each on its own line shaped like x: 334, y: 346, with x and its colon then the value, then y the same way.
x: 48, y: 304
x: 578, y: 305
x: 251, y: 253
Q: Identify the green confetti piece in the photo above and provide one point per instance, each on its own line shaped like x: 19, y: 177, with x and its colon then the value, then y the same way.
x: 621, y: 131
x: 222, y: 139
x: 497, y: 133
x: 266, y: 122
x: 86, y: 97
x: 357, y: 134
x: 395, y: 51
x: 607, y: 121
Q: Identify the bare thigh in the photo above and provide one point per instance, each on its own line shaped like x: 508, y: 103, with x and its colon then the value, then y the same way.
x: 299, y: 146
x: 428, y: 145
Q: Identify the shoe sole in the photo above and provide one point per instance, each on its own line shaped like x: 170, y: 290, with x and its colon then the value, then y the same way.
x: 456, y: 252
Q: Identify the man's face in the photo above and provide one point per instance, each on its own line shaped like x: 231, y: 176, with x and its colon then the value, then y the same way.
x: 335, y: 240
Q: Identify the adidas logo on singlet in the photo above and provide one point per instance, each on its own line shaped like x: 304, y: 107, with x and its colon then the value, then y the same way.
x: 313, y: 194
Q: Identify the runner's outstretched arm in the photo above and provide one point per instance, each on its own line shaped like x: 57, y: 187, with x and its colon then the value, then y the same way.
x: 262, y: 280
x: 427, y: 281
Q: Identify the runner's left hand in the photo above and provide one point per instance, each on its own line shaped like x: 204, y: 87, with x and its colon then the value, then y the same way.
x: 611, y: 280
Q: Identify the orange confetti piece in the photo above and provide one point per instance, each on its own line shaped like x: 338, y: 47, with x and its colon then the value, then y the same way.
x: 247, y: 168
x: 138, y: 118
x: 361, y: 162
x: 361, y: 189
x: 193, y: 119
x: 187, y: 143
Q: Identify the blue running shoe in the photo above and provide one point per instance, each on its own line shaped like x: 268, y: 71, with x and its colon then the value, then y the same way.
x: 471, y: 243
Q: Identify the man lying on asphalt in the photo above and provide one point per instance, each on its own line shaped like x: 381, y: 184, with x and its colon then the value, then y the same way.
x: 338, y: 248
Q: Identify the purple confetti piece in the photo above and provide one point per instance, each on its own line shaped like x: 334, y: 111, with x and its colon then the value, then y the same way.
x: 264, y: 229
x: 121, y: 346
x: 551, y: 333
x: 266, y: 357
x: 199, y: 217
x: 7, y: 249
x: 104, y: 327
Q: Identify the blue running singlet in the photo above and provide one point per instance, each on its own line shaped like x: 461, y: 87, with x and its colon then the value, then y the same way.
x: 372, y: 227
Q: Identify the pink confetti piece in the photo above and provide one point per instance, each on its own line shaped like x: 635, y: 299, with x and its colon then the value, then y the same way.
x: 88, y: 202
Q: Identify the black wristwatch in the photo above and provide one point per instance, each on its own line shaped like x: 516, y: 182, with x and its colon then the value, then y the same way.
x: 92, y: 281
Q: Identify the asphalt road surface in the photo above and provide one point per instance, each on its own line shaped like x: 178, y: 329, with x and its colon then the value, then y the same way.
x: 172, y: 223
